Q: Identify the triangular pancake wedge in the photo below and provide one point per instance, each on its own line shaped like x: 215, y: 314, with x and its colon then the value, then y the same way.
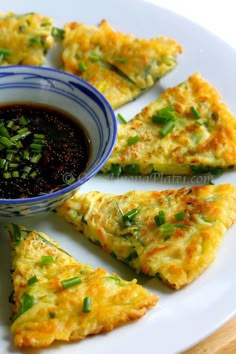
x: 187, y: 130
x: 25, y: 38
x: 172, y: 234
x: 119, y: 65
x: 57, y: 298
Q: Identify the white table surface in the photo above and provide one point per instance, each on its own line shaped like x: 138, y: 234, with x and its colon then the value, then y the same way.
x: 217, y: 16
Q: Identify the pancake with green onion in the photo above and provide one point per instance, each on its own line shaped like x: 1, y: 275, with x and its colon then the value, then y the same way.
x: 172, y: 234
x: 25, y: 39
x: 119, y: 65
x: 56, y: 298
x: 187, y: 130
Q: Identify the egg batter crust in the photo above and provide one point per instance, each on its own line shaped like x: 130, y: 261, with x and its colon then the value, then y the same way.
x: 187, y: 130
x: 56, y: 298
x: 172, y: 234
x: 25, y: 39
x: 119, y: 65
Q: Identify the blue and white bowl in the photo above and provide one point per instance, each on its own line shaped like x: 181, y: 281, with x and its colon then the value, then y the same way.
x: 40, y: 85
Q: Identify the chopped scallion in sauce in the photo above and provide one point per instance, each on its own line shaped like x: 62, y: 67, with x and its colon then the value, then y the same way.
x: 39, y: 141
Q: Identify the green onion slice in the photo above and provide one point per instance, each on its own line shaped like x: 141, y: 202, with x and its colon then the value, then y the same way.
x: 32, y: 280
x: 129, y: 217
x: 36, y: 147
x: 16, y: 137
x: 47, y: 260
x: 6, y: 52
x: 4, y: 131
x: 22, y: 120
x: 36, y: 157
x: 15, y: 174
x: 87, y: 304
x: 115, y: 279
x: 160, y: 218
x: 13, y: 165
x: 22, y: 130
x: 94, y: 57
x: 167, y: 229
x: 166, y: 129
x: 164, y: 115
x: 26, y: 155
x: 18, y: 144
x: 116, y: 169
x: 26, y: 303
x: 6, y: 175
x: 34, y: 174
x: 179, y: 226
x: 67, y: 283
x: 195, y: 113
x: 10, y: 156
x: 10, y: 123
x: 6, y: 166
x: 179, y: 216
x: 2, y: 163
x: 36, y: 40
x: 133, y: 140
x: 6, y: 142
x: 121, y: 60
x: 82, y: 66
x: 15, y: 234
x: 39, y: 136
x: 58, y: 33
x: 71, y: 180
x: 132, y: 169
x: 27, y: 169
x: 216, y: 171
x: 121, y: 119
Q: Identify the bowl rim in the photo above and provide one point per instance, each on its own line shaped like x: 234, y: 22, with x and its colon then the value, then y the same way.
x: 94, y: 170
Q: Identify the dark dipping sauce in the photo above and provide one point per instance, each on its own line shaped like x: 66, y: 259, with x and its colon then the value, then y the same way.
x: 53, y: 162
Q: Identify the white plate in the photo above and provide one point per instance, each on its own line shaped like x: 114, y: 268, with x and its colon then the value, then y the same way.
x: 181, y: 318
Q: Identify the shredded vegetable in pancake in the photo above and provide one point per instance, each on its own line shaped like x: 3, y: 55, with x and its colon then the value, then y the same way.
x: 172, y: 234
x: 187, y: 130
x: 56, y: 298
x: 119, y: 65
x: 25, y: 39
